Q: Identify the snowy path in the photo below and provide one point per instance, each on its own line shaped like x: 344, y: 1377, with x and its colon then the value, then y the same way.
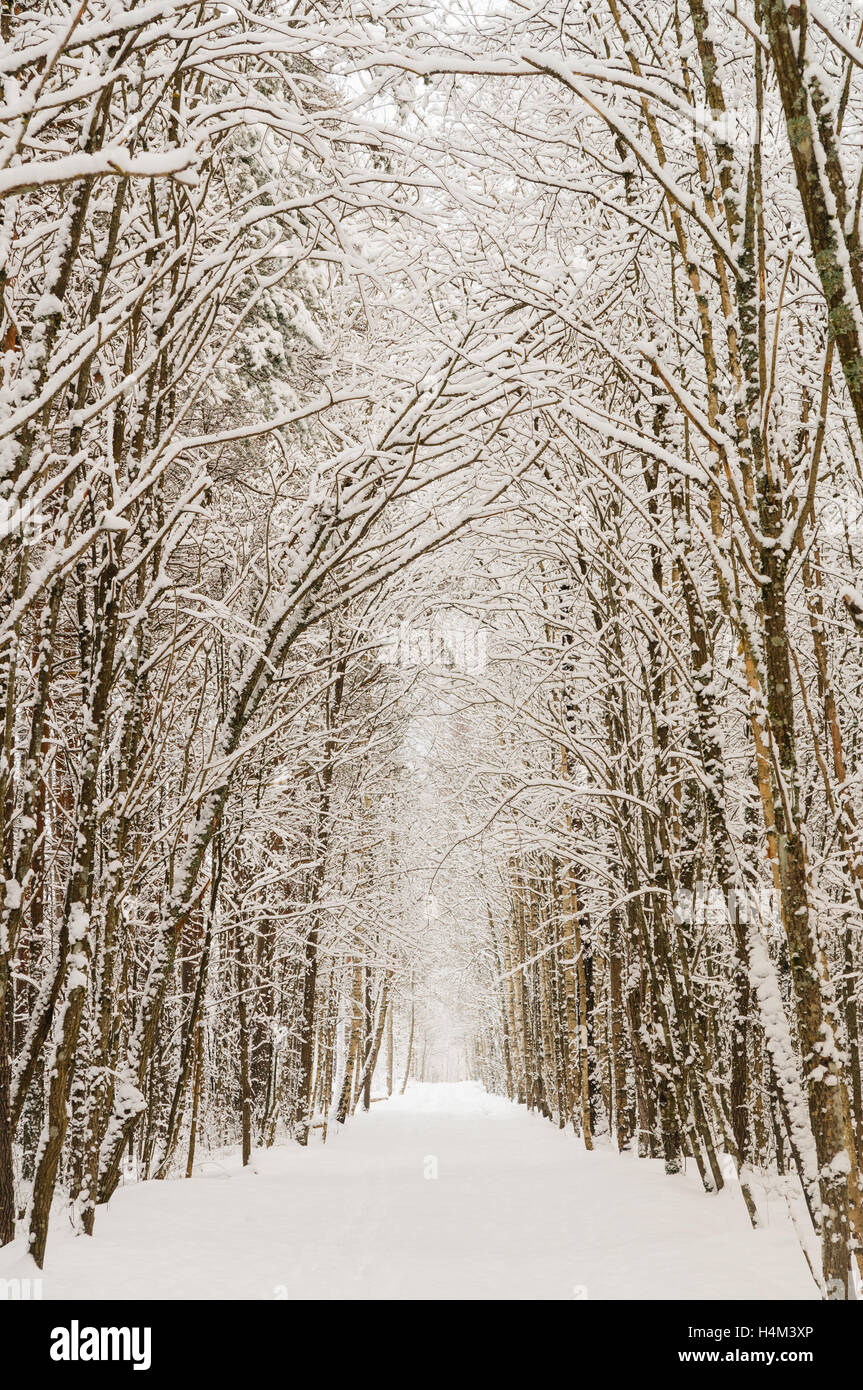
x: 517, y: 1210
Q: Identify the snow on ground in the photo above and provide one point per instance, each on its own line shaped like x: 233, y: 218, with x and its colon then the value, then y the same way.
x: 517, y: 1210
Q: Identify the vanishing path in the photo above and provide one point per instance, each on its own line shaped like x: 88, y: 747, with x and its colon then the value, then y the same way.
x: 517, y: 1210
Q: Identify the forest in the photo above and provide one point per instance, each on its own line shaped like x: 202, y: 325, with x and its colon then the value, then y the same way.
x: 431, y: 639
